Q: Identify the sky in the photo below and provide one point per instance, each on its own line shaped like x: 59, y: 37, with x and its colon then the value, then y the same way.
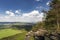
x: 23, y: 10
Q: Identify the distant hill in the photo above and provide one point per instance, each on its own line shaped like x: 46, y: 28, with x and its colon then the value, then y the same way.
x: 15, y: 23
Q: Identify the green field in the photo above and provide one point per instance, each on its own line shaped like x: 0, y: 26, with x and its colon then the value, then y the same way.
x: 8, y: 32
x: 22, y: 36
x: 13, y: 34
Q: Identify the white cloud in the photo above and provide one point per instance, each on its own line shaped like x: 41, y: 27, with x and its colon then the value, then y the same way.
x: 33, y: 16
x: 48, y: 3
x: 18, y: 11
x: 33, y: 13
x: 10, y: 13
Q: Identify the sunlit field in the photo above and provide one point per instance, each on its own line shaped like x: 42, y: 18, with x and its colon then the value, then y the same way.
x: 8, y: 32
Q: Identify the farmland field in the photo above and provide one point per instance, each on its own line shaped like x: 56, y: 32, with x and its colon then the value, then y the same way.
x: 11, y: 34
x: 8, y: 32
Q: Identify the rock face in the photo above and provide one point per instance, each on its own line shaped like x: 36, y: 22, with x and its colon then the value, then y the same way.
x: 38, y: 35
x: 41, y: 34
x: 39, y: 38
x: 28, y: 35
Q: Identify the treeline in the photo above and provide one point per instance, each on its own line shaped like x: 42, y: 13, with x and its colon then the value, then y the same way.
x: 18, y: 27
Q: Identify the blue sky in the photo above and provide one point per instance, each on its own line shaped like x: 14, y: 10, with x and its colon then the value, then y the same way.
x: 24, y: 10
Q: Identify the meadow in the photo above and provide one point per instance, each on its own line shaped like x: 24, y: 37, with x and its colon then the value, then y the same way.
x: 12, y: 34
x: 8, y: 32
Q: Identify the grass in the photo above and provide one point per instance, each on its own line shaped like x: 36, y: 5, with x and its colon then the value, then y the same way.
x: 13, y: 34
x: 8, y: 32
x: 21, y: 36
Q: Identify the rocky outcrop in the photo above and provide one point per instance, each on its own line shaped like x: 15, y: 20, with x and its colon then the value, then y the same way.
x: 41, y: 34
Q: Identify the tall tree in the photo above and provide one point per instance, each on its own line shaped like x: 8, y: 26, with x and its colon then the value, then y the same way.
x: 53, y: 16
